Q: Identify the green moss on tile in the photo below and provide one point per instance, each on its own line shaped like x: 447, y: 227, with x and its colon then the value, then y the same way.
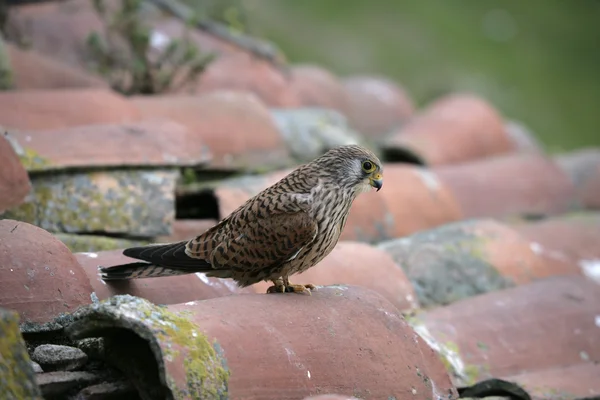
x: 169, y: 335
x: 136, y: 202
x: 447, y: 264
x: 33, y: 161
x: 94, y: 243
x: 17, y: 378
x: 205, y: 379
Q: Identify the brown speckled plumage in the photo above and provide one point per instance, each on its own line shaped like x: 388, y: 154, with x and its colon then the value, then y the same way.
x: 285, y: 229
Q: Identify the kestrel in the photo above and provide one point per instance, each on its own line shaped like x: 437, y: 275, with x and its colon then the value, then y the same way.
x: 283, y: 230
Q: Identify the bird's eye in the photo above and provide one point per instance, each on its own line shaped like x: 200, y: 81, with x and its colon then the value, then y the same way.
x: 368, y: 166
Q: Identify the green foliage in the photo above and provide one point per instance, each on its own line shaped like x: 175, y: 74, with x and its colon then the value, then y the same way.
x: 543, y: 71
x: 123, y: 53
x: 228, y: 12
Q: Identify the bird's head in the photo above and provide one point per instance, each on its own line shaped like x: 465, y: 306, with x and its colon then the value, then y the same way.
x: 353, y: 167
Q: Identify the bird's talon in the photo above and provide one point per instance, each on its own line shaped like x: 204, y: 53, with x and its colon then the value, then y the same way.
x: 276, y: 289
x: 300, y: 288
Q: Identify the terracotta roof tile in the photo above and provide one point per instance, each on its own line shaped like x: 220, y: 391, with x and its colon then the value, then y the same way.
x: 153, y: 142
x: 467, y: 258
x: 236, y: 126
x: 569, y: 382
x: 583, y: 167
x: 355, y: 263
x: 518, y: 184
x: 315, y: 86
x: 56, y: 109
x: 168, y: 290
x: 337, y: 340
x: 39, y: 277
x: 452, y: 129
x: 506, y: 298
x: 545, y: 324
x: 376, y: 104
x: 567, y: 238
x: 35, y: 71
x: 374, y: 216
x: 56, y: 30
x: 244, y: 72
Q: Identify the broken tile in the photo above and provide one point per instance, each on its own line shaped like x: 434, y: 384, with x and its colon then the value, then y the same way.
x: 39, y: 277
x: 583, y: 168
x: 377, y: 105
x: 569, y: 382
x: 139, y: 203
x: 164, y: 290
x: 355, y: 263
x: 53, y: 357
x: 14, y: 181
x: 56, y: 109
x: 310, y: 132
x: 17, y: 376
x: 32, y: 70
x: 236, y: 126
x: 382, y: 356
x: 61, y: 382
x: 517, y: 184
x: 467, y: 258
x: 154, y: 142
x: 517, y: 330
x: 454, y: 128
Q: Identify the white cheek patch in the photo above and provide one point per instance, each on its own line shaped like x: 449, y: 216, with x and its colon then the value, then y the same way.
x: 365, y: 186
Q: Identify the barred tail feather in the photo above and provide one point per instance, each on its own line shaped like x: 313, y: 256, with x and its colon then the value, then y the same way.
x: 137, y: 270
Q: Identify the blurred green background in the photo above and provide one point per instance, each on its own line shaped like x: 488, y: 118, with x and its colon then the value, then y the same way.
x: 538, y: 61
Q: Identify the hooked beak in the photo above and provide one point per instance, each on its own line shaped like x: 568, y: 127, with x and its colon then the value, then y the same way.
x: 376, y: 181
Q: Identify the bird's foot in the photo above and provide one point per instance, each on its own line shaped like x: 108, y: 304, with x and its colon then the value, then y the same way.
x: 300, y: 288
x: 276, y: 289
x: 283, y: 285
x: 278, y: 286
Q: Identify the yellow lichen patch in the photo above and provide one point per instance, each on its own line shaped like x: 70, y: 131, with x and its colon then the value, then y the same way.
x: 206, y: 376
x: 17, y: 379
x: 179, y: 340
x: 174, y: 339
x: 32, y: 161
x: 93, y: 243
x: 125, y: 201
